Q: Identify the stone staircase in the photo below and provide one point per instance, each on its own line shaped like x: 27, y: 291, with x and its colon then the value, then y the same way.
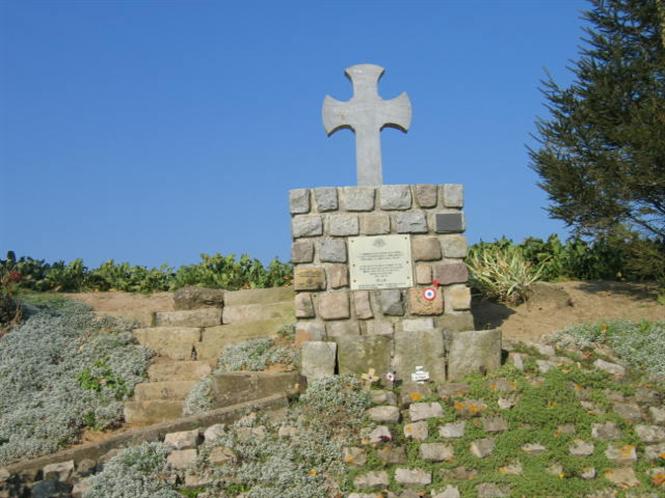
x: 188, y: 343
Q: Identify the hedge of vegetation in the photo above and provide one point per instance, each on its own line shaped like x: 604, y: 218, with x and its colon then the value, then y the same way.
x: 578, y: 259
x: 216, y: 271
x: 534, y: 259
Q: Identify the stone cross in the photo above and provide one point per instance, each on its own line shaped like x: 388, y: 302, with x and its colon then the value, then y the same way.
x: 366, y: 114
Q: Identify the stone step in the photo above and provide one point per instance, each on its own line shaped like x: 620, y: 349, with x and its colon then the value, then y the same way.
x: 203, y: 317
x: 238, y: 387
x: 170, y: 390
x: 215, y: 339
x: 142, y: 317
x: 178, y: 370
x: 152, y: 412
x: 177, y: 343
x: 258, y: 296
x: 252, y: 312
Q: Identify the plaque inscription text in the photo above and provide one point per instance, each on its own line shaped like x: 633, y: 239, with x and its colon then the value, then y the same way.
x: 381, y: 262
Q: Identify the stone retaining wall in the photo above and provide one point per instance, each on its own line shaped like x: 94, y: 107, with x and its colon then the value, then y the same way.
x: 323, y: 219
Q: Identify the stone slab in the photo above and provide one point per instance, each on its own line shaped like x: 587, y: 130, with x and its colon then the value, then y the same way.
x: 334, y: 305
x: 326, y: 199
x: 252, y: 312
x: 375, y: 224
x: 341, y: 225
x: 358, y: 198
x: 236, y: 387
x: 342, y: 328
x: 302, y: 251
x: 426, y: 195
x: 453, y: 195
x: 215, y: 339
x: 356, y: 355
x: 420, y: 348
x: 318, y: 359
x: 152, y: 411
x: 395, y: 197
x: 310, y: 330
x: 170, y: 390
x: 203, y: 317
x: 177, y: 343
x: 306, y: 225
x: 473, y: 351
x: 299, y: 201
x: 178, y: 370
x: 192, y: 297
x: 456, y: 297
x: 258, y: 296
x: 451, y: 272
x: 457, y: 321
x: 410, y: 222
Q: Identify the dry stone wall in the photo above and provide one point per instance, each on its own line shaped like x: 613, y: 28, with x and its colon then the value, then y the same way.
x: 323, y: 220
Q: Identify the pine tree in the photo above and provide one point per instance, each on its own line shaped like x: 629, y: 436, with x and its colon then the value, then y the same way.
x: 601, y: 153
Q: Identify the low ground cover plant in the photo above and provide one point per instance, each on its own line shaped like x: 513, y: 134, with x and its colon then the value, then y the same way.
x: 302, y: 454
x: 262, y: 463
x: 253, y: 355
x: 305, y: 464
x: 640, y: 344
x: 137, y: 472
x: 61, y: 371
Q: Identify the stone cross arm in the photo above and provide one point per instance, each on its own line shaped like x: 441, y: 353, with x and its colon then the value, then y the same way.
x: 367, y: 114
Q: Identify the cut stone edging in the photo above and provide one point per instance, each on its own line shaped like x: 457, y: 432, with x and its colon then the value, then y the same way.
x: 155, y: 432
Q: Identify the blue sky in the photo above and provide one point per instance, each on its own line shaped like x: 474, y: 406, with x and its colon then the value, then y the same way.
x: 153, y: 131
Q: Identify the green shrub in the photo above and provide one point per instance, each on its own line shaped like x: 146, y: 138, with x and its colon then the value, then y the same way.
x: 501, y: 271
x: 10, y: 310
x: 641, y: 345
x: 214, y: 271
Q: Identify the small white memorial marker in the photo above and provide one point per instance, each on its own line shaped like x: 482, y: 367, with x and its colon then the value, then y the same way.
x: 420, y: 375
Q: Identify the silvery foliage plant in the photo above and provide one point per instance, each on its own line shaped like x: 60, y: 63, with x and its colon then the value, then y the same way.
x: 61, y: 370
x: 138, y: 472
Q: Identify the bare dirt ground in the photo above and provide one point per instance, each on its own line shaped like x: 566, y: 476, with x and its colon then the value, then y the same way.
x: 552, y: 307
x: 138, y: 307
x: 555, y: 306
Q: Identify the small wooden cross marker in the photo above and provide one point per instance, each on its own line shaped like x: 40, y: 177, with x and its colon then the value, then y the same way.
x: 370, y: 378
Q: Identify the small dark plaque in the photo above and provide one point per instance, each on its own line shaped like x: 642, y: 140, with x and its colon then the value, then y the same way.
x: 449, y: 223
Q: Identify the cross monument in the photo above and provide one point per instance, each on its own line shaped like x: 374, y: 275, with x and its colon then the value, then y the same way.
x: 366, y: 114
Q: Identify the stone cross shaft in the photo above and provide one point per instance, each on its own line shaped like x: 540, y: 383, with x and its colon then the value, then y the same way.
x: 367, y: 114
